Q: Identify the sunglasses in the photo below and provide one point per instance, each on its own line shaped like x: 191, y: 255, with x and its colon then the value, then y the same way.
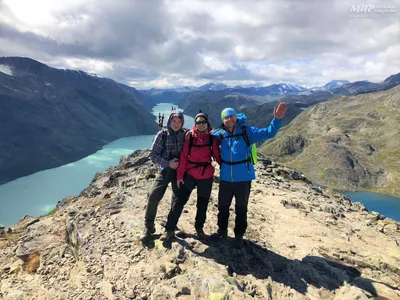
x: 201, y: 122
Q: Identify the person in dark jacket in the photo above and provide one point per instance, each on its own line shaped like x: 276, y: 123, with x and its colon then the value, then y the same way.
x: 195, y: 170
x: 237, y: 171
x: 165, y: 152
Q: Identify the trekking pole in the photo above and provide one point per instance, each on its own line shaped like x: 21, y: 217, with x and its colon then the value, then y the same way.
x: 160, y: 121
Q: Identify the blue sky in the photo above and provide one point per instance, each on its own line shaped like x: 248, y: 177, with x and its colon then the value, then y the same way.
x: 168, y: 43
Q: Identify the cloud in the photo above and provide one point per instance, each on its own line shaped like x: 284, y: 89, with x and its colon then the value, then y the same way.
x: 176, y: 42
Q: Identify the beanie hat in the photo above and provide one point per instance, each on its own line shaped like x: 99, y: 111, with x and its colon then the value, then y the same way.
x: 227, y: 112
x: 201, y: 114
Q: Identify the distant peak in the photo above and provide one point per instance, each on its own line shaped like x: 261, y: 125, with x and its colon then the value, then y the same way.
x: 335, y: 83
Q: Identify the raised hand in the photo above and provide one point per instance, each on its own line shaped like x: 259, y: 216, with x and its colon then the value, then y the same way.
x: 280, y: 111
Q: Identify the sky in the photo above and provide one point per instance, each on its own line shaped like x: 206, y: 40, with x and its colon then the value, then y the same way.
x: 173, y: 43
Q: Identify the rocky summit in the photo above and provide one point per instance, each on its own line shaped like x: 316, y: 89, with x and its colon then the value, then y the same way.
x: 301, y: 243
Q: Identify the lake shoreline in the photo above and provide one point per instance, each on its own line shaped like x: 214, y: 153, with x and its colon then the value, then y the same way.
x: 39, y: 193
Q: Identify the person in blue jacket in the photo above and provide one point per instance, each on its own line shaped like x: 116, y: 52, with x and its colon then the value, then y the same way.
x: 237, y: 170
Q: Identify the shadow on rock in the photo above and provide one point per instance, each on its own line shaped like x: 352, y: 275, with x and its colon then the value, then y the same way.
x: 297, y: 274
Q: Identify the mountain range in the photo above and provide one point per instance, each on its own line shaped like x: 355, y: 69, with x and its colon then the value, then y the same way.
x: 349, y: 142
x: 50, y: 117
x: 214, y: 102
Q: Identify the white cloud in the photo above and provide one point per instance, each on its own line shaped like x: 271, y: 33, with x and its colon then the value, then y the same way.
x: 90, y: 65
x: 190, y: 42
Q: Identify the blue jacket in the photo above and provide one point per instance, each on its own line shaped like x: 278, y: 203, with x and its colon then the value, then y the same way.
x: 236, y: 149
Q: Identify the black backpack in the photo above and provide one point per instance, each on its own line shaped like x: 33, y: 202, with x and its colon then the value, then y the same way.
x: 210, y: 144
x: 253, y: 153
x: 196, y: 163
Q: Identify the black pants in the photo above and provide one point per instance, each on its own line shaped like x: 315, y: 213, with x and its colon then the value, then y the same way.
x: 204, y: 187
x: 157, y: 192
x: 241, y: 191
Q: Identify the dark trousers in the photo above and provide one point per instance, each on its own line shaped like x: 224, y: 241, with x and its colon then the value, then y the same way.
x: 204, y: 187
x: 241, y: 191
x: 157, y: 192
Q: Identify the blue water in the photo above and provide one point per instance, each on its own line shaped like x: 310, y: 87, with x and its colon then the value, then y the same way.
x: 386, y: 205
x: 39, y: 193
x: 389, y: 206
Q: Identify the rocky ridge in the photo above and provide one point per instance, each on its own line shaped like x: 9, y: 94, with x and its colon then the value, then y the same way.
x: 348, y: 143
x: 301, y: 243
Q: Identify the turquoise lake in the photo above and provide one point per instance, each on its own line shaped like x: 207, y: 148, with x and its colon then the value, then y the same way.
x: 39, y: 193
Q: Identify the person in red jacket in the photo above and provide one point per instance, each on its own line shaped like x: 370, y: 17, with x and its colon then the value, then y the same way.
x: 195, y: 169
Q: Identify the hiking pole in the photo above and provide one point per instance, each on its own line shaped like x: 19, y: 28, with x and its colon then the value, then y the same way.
x: 160, y: 123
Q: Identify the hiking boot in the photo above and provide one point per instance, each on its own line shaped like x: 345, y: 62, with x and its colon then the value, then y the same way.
x: 200, y: 234
x: 167, y: 235
x: 179, y: 233
x: 220, y: 234
x: 147, y: 233
x: 239, y: 242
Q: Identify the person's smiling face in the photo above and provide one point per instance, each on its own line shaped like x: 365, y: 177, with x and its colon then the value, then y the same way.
x: 201, y: 124
x: 230, y: 121
x: 176, y: 123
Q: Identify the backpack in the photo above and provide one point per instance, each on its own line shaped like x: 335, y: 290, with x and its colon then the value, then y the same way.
x: 200, y: 164
x: 253, y: 150
x: 210, y: 144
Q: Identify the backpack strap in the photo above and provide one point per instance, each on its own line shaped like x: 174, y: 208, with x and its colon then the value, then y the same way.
x: 210, y: 144
x: 190, y: 144
x: 245, y: 161
x: 164, y: 137
x: 243, y: 133
x: 245, y: 136
x: 246, y: 139
x: 200, y: 164
x: 222, y: 134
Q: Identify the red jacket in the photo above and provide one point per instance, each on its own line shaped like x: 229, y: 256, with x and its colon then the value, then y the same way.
x: 198, y: 154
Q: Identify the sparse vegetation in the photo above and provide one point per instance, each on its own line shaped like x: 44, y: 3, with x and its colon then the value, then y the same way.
x: 102, y: 202
x: 9, y: 238
x: 356, y: 153
x: 52, y: 212
x: 33, y: 262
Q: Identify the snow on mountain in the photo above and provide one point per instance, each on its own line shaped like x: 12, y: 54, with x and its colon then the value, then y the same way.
x: 334, y: 84
x: 290, y: 88
x: 6, y: 70
x: 213, y: 87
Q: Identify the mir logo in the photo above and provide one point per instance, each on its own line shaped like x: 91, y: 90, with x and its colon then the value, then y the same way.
x: 370, y: 8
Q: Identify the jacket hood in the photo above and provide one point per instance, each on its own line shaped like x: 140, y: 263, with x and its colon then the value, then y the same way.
x: 241, y: 119
x: 173, y: 114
